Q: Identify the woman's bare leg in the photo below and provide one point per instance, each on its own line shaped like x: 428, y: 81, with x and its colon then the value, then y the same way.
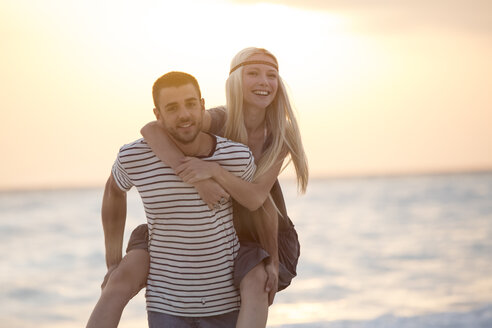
x: 254, y: 299
x: 124, y: 282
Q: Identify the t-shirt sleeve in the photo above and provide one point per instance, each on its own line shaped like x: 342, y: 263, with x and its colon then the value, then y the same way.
x: 120, y: 175
x: 249, y: 168
x: 218, y: 118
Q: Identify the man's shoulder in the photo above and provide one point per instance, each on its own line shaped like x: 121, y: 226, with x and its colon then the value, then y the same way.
x: 139, y: 144
x: 137, y: 147
x: 228, y: 150
x: 224, y: 143
x: 235, y: 157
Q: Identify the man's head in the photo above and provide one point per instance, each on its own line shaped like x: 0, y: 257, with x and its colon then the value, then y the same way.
x: 173, y: 79
x: 178, y: 105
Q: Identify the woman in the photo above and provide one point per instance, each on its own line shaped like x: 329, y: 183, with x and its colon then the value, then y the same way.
x: 258, y: 114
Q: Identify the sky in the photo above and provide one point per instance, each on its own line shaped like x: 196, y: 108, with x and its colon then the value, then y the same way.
x: 380, y: 87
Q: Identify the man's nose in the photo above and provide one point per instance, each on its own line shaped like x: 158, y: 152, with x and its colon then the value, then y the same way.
x: 184, y: 113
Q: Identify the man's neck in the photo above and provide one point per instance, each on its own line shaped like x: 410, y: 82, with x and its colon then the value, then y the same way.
x: 201, y: 146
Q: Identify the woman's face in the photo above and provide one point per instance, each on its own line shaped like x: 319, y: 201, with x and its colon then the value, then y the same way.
x: 260, y: 82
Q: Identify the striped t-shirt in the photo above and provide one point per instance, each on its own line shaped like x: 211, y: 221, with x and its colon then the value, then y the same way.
x: 192, y: 248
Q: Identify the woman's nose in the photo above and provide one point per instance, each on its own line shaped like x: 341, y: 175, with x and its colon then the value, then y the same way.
x: 263, y: 80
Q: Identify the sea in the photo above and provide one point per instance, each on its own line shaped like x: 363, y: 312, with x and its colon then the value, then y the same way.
x: 398, y: 251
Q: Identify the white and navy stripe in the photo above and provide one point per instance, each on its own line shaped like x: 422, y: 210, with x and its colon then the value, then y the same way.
x: 192, y: 248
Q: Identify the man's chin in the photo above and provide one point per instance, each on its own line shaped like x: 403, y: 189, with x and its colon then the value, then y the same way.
x: 184, y: 140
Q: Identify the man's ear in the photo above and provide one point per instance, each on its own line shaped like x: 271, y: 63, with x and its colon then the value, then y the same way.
x: 157, y: 114
x: 202, y: 102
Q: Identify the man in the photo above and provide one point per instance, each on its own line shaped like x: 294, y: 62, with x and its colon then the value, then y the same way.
x: 192, y: 246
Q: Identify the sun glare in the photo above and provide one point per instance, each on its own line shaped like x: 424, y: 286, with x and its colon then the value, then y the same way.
x: 91, y: 62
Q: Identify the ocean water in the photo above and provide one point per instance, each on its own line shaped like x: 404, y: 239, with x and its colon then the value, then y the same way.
x: 409, y: 251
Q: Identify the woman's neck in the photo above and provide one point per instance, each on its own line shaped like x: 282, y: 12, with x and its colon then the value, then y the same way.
x: 254, y: 120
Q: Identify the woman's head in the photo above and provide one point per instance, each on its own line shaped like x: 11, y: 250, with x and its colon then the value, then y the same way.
x: 254, y: 77
x: 244, y: 80
x: 254, y: 81
x: 259, y: 81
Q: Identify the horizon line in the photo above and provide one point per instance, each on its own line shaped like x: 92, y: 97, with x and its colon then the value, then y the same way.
x: 340, y: 176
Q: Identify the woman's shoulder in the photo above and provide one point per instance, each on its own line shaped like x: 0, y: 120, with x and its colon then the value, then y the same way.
x: 217, y: 112
x: 218, y: 117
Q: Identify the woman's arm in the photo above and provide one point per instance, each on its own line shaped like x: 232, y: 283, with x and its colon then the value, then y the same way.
x: 251, y: 195
x: 161, y: 144
x: 167, y: 151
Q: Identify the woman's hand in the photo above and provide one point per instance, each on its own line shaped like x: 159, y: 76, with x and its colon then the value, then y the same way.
x: 211, y: 192
x: 192, y: 169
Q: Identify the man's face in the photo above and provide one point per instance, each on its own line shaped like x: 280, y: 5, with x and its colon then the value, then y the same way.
x: 180, y: 112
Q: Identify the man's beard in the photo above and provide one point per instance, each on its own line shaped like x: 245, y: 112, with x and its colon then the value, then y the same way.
x: 187, y: 139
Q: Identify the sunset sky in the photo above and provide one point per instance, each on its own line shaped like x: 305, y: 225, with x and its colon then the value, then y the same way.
x: 388, y: 87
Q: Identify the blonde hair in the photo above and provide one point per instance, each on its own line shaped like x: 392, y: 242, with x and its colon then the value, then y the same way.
x: 280, y: 120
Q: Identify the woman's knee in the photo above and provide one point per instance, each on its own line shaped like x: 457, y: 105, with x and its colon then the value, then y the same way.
x: 120, y: 282
x: 131, y: 274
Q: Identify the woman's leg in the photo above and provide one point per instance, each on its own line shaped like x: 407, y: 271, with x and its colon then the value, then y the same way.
x: 254, y: 299
x: 124, y: 282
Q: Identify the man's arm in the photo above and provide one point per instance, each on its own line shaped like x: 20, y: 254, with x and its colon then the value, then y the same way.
x: 113, y: 220
x: 265, y: 221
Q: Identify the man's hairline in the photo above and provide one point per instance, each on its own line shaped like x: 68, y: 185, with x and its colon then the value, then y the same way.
x: 197, y: 97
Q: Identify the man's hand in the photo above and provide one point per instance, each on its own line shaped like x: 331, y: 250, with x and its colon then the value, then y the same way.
x: 211, y: 192
x: 271, y: 285
x: 108, y: 274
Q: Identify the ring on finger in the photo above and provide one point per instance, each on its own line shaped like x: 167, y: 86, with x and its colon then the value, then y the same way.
x: 222, y: 201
